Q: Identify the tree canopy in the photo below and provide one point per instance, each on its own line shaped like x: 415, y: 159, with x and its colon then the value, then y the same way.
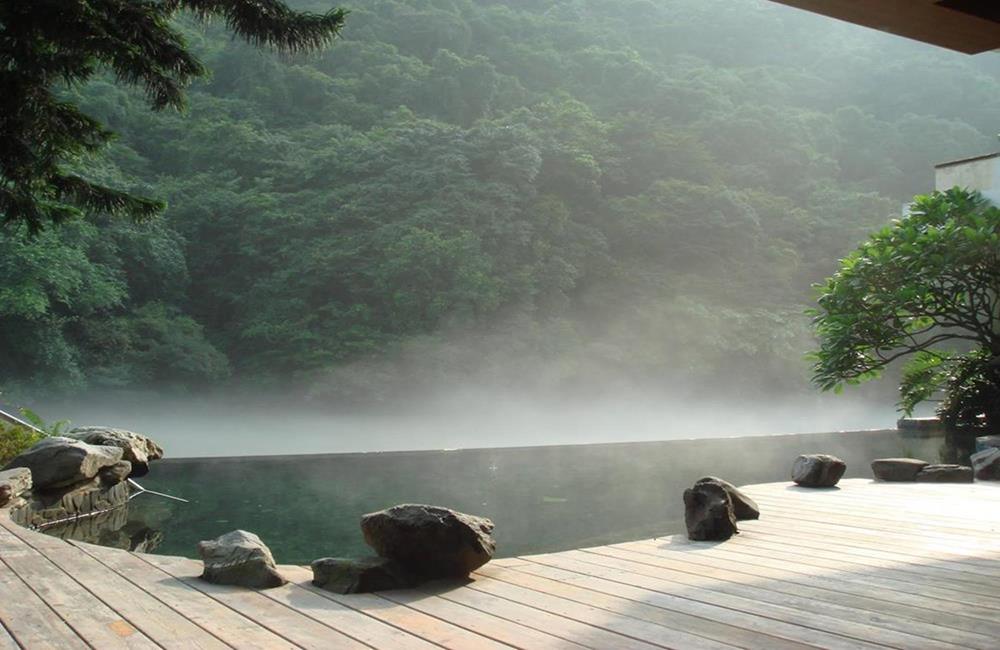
x: 550, y: 194
x: 47, y: 45
x: 925, y: 287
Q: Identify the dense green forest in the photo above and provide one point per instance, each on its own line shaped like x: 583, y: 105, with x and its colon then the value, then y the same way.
x: 544, y: 194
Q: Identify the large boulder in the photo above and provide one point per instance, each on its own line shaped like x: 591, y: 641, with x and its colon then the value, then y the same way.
x: 897, y: 469
x: 58, y: 461
x: 239, y: 558
x: 708, y: 513
x: 818, y: 470
x: 743, y: 506
x: 358, y: 576
x: 14, y: 483
x: 986, y: 464
x: 945, y: 474
x: 136, y: 448
x: 430, y: 541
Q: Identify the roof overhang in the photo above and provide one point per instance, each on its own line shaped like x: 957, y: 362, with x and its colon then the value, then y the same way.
x: 969, y: 26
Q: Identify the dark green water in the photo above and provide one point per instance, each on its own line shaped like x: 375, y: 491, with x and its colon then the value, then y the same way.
x: 541, y: 498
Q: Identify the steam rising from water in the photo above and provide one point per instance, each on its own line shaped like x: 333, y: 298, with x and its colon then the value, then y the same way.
x: 465, y: 418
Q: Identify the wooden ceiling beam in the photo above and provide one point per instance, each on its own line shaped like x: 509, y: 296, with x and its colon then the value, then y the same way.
x: 969, y: 26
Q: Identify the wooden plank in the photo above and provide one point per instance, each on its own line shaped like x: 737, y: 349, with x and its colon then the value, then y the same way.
x: 888, y: 613
x: 7, y: 642
x: 225, y: 623
x: 402, y: 617
x: 801, y: 619
x: 255, y: 605
x: 800, y: 564
x: 955, y: 523
x: 29, y: 620
x: 893, y: 578
x: 869, y: 486
x: 958, y: 523
x: 153, y: 618
x: 796, y: 536
x: 675, y: 612
x: 785, y: 578
x: 356, y: 624
x: 847, y: 534
x: 760, y: 598
x: 600, y: 578
x: 479, y: 622
x: 916, y: 573
x: 89, y: 618
x: 593, y: 636
x: 875, y: 522
x: 635, y: 632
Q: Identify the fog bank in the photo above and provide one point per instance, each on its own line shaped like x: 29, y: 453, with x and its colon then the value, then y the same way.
x: 465, y: 418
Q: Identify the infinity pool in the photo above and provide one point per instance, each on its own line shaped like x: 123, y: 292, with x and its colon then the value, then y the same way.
x: 541, y: 498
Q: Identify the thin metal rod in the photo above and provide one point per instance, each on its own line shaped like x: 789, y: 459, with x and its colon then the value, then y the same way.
x: 84, y: 515
x: 13, y: 419
x: 159, y: 494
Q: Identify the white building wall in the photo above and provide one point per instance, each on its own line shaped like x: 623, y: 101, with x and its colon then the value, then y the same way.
x: 981, y: 174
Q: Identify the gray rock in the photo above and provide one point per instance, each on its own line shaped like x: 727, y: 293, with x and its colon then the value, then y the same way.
x: 986, y: 464
x: 239, y: 558
x: 58, y: 461
x: 136, y: 448
x: 14, y: 483
x: 945, y: 474
x: 42, y: 507
x: 430, y: 541
x: 743, y: 506
x: 708, y: 513
x: 358, y: 576
x: 987, y: 442
x: 115, y: 474
x: 818, y: 470
x: 897, y: 469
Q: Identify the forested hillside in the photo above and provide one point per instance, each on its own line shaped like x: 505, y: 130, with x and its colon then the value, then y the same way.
x: 530, y: 193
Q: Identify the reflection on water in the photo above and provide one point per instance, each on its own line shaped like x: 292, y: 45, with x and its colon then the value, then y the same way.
x: 117, y: 528
x: 541, y: 498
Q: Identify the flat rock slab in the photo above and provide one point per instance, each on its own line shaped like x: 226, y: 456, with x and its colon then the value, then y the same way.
x: 239, y: 558
x: 136, y: 448
x: 57, y: 461
x: 360, y: 575
x: 708, y: 513
x: 818, y: 470
x: 430, y: 541
x: 986, y: 464
x: 897, y: 469
x: 744, y: 508
x: 44, y: 507
x: 945, y: 474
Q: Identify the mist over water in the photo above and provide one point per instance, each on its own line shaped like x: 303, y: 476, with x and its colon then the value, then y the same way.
x: 463, y: 418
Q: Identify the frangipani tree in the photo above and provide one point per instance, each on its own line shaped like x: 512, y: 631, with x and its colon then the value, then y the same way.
x: 926, y: 289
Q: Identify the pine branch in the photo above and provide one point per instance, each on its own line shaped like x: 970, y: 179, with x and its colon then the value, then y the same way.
x: 271, y: 23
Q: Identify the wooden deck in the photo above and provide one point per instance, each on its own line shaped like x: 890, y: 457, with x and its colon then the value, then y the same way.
x: 865, y: 566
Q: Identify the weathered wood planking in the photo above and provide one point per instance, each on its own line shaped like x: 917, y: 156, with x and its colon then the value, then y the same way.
x: 868, y: 565
x: 92, y: 620
x: 30, y: 621
x: 6, y: 640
